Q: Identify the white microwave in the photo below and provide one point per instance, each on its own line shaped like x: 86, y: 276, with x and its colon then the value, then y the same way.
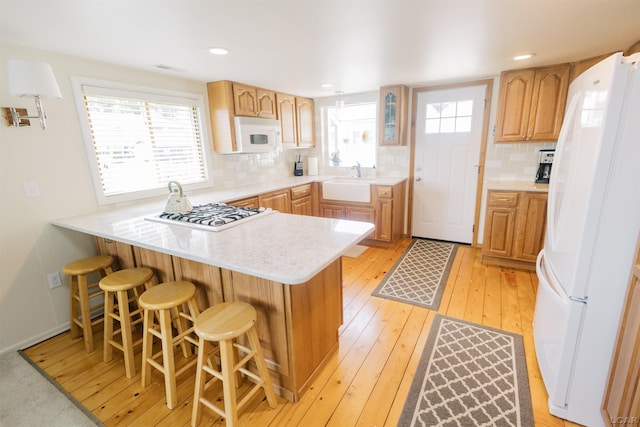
x: 256, y: 135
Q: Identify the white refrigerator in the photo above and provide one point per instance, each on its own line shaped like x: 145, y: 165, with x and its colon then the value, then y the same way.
x: 593, y: 221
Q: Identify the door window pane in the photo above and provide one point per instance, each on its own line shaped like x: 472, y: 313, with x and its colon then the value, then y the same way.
x: 448, y: 117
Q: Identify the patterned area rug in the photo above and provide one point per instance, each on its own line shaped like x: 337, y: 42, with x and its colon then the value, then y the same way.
x: 469, y: 375
x: 420, y: 275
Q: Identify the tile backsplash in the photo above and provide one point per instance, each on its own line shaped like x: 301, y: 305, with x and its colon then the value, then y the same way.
x: 518, y: 161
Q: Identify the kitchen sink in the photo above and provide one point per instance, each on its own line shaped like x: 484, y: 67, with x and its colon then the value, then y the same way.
x: 347, y: 189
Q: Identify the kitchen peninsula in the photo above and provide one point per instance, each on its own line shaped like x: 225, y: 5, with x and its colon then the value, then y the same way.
x: 287, y: 266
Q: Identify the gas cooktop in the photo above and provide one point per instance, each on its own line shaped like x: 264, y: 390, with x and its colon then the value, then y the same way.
x: 211, y: 216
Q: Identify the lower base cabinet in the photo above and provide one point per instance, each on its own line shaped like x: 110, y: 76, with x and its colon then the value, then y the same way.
x: 515, y: 224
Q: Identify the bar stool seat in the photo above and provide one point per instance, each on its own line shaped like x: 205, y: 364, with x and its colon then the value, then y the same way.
x: 223, y: 323
x: 82, y: 294
x: 167, y: 300
x: 122, y: 290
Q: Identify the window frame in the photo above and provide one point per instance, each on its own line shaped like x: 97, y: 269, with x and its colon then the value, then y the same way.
x: 150, y: 94
x: 349, y: 99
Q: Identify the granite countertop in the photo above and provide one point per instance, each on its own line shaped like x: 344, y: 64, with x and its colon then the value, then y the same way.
x: 516, y: 185
x: 285, y: 248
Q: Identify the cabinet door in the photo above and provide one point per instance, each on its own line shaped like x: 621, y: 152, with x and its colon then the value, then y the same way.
x: 392, y: 107
x: 287, y: 115
x: 514, y: 105
x: 266, y: 100
x: 547, y: 105
x: 622, y: 398
x: 244, y: 100
x: 332, y: 211
x: 498, y: 232
x: 361, y: 214
x: 305, y: 120
x: 384, y: 220
x: 302, y: 206
x: 530, y: 226
x: 277, y: 200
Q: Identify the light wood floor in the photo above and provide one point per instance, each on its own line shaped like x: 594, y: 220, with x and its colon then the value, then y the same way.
x: 364, y: 384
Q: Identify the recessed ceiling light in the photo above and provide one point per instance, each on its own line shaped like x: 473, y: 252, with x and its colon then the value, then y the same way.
x: 325, y: 85
x: 522, y: 57
x: 218, y: 50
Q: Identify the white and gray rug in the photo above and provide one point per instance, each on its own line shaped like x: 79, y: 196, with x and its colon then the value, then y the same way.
x: 30, y: 398
x: 420, y: 275
x: 469, y: 375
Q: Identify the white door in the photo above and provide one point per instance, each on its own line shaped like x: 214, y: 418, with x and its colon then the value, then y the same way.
x: 447, y: 153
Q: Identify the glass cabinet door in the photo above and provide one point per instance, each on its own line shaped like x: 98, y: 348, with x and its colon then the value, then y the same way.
x: 392, y: 113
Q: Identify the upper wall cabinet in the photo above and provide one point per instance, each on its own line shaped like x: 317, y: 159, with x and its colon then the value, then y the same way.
x: 296, y: 115
x: 531, y: 104
x: 392, y: 118
x: 229, y: 99
x: 254, y: 102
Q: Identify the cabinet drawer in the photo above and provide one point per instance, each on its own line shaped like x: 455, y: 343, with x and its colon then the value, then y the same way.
x: 502, y: 198
x: 385, y: 191
x: 300, y: 191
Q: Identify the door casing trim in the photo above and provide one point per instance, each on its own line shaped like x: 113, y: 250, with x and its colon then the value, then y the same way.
x: 483, y: 146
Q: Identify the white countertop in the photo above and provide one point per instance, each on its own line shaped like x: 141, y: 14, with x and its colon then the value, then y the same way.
x: 516, y: 185
x: 286, y: 248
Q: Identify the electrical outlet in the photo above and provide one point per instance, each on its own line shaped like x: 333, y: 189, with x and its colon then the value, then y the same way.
x: 55, y: 280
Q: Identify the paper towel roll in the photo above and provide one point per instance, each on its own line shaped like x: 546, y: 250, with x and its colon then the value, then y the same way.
x: 313, y: 165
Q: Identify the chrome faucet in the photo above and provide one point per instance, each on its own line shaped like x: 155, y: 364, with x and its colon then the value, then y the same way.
x: 357, y: 169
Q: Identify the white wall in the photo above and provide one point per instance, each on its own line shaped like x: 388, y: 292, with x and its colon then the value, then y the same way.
x: 55, y: 159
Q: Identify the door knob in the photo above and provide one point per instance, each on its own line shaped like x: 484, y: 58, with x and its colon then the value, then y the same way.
x: 418, y: 178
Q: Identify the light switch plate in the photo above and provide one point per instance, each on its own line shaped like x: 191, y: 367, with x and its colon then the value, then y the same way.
x: 31, y: 189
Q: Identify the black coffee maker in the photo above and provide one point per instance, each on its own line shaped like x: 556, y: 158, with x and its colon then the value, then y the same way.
x: 545, y: 158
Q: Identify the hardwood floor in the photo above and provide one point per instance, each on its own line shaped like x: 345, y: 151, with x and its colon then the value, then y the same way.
x: 364, y: 384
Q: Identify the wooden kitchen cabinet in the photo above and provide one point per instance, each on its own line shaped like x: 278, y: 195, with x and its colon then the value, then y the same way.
x: 250, y: 202
x: 531, y: 104
x: 305, y: 118
x: 302, y: 200
x: 277, y: 200
x: 228, y: 100
x: 392, y: 120
x: 622, y: 397
x: 254, y: 102
x: 286, y: 107
x: 514, y: 227
x: 385, y: 211
x: 296, y: 115
x: 531, y: 224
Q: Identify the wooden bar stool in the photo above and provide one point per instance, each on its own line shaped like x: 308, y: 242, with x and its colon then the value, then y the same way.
x: 167, y: 300
x: 122, y: 290
x: 83, y: 292
x: 223, y: 323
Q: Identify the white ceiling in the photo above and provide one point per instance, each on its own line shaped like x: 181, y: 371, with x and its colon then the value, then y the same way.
x: 295, y: 45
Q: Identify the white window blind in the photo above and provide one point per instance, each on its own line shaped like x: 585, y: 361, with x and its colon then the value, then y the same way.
x: 141, y: 141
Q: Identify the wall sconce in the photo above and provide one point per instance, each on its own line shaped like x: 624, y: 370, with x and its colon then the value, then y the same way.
x: 32, y: 80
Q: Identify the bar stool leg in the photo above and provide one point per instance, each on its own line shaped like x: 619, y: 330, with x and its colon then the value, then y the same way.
x: 201, y: 379
x: 147, y: 347
x: 167, y: 358
x: 126, y: 332
x: 107, y: 351
x: 85, y: 312
x: 75, y: 329
x: 228, y: 382
x: 262, y: 367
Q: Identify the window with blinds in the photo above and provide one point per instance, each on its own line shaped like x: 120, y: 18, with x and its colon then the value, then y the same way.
x: 138, y: 141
